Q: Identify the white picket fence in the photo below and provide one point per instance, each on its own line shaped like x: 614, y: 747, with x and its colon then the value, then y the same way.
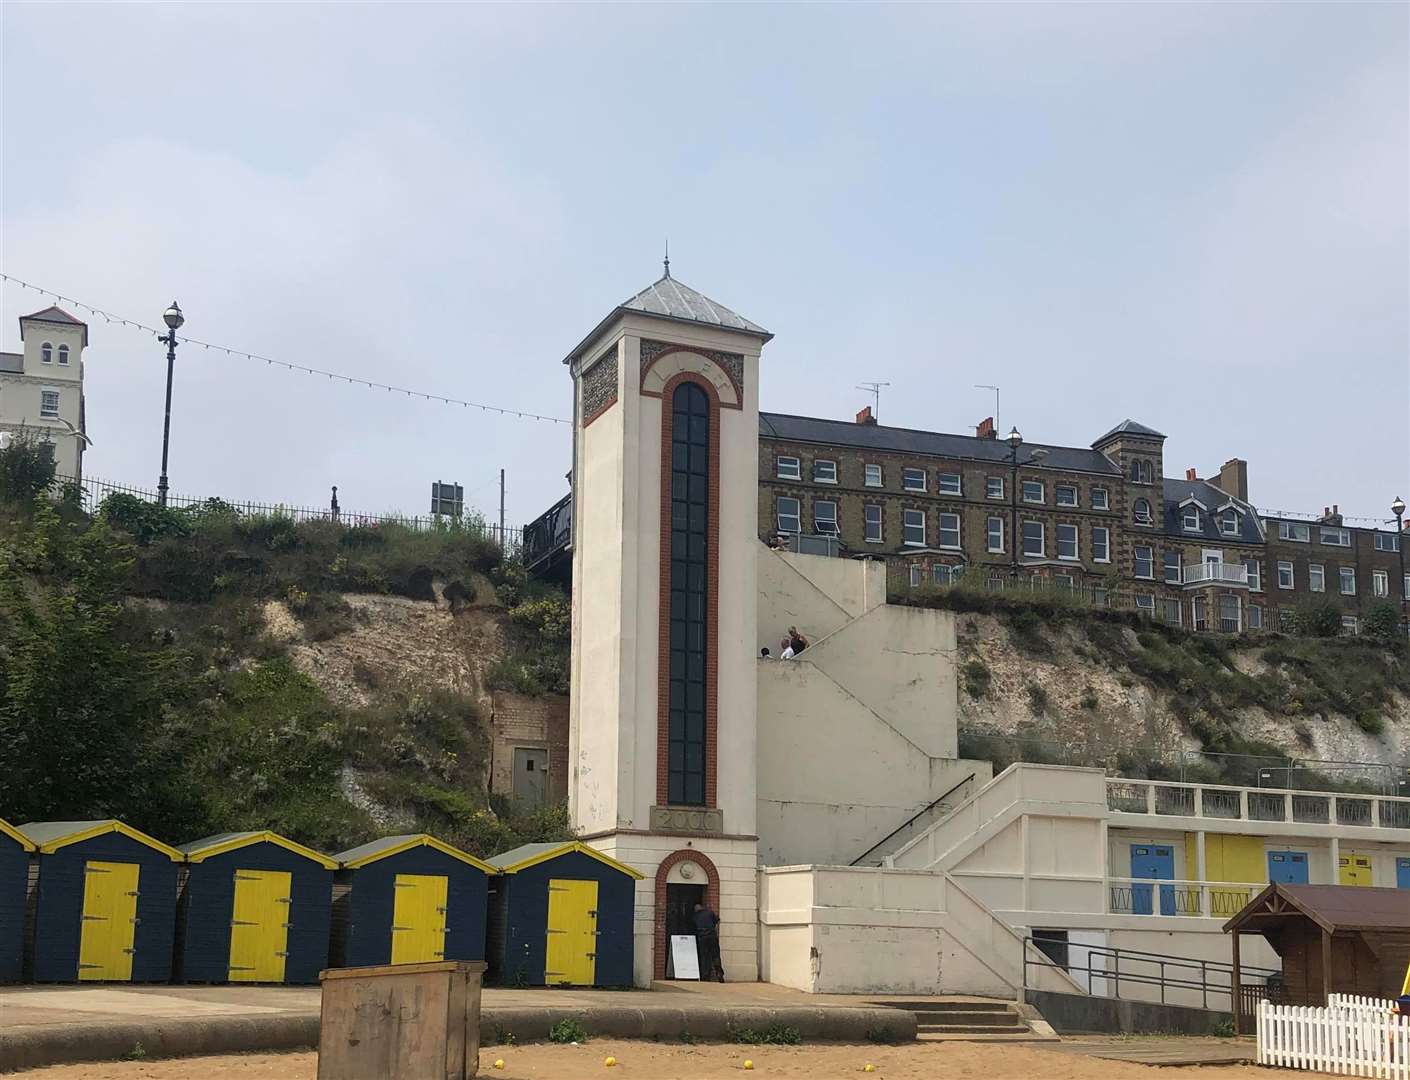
x: 1353, y: 1036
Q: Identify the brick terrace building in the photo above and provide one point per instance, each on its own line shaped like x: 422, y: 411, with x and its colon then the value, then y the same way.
x: 940, y: 507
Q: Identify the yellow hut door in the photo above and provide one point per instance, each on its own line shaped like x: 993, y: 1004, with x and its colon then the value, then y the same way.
x: 572, y: 933
x: 109, y: 921
x: 1354, y: 869
x: 259, y: 925
x: 418, y: 919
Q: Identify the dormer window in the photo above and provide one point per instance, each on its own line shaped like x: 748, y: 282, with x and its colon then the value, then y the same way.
x: 1190, y: 518
x: 64, y: 355
x: 1229, y: 522
x: 46, y: 353
x: 1141, y: 511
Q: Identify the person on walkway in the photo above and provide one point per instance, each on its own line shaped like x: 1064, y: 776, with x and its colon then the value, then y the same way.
x: 797, y: 640
x: 707, y: 943
x: 785, y: 649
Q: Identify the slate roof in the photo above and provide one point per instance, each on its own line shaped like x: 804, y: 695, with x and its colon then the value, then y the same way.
x: 928, y: 443
x: 1178, y: 491
x: 1130, y: 427
x: 54, y: 314
x: 12, y: 362
x: 668, y: 298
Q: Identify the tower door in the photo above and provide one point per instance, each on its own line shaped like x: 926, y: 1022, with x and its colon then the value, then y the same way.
x: 1157, y: 862
x: 259, y: 925
x: 1354, y: 869
x: 1287, y: 867
x: 572, y: 933
x: 419, y: 918
x: 680, y: 915
x: 529, y: 765
x: 109, y: 921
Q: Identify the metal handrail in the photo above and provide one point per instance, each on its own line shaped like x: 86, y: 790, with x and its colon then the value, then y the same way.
x: 912, y: 819
x: 1114, y: 976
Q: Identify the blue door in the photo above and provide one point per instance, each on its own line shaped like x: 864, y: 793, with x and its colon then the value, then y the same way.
x: 1287, y: 867
x: 1156, y: 862
x: 1402, y: 873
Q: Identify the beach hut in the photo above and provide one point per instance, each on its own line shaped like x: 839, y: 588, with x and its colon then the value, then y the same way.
x: 106, y: 903
x: 561, y: 914
x: 15, y: 849
x: 409, y: 900
x: 255, y: 908
x: 1332, y: 939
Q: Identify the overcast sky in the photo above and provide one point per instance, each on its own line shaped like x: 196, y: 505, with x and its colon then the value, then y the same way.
x: 1195, y: 216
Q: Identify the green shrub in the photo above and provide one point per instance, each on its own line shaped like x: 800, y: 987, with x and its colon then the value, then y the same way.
x: 1028, y: 633
x: 977, y: 678
x: 1317, y: 618
x: 1383, y: 623
x: 568, y: 1030
x: 773, y: 1035
x: 26, y: 467
x: 1090, y: 701
x: 142, y: 520
x: 1037, y: 699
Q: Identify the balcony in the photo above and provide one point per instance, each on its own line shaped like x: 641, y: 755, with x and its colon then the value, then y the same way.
x: 1215, y: 573
x: 1160, y: 798
x: 1165, y: 896
x: 548, y: 540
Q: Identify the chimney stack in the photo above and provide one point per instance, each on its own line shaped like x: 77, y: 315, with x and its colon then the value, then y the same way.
x: 1331, y: 515
x: 1233, y: 478
x: 865, y: 416
x: 985, y: 429
x: 1190, y: 474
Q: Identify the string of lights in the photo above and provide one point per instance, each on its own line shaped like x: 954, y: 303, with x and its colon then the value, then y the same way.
x: 352, y: 380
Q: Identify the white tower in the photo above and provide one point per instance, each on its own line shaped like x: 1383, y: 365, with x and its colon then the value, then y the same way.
x: 41, y: 389
x: 665, y: 509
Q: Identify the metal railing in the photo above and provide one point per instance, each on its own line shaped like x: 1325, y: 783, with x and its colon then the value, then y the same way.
x: 1104, y: 975
x: 549, y: 533
x: 1214, y: 573
x: 1164, y: 798
x: 91, y: 492
x: 861, y: 860
x: 1168, y: 896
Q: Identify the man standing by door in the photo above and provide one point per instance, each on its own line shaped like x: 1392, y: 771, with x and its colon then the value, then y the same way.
x: 707, y: 943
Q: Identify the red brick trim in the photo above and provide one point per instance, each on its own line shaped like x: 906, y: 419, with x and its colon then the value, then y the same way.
x: 712, y: 897
x: 712, y: 585
x: 604, y: 408
x: 738, y: 390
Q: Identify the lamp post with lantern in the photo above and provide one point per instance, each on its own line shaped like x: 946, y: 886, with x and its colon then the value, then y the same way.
x: 173, y: 318
x: 1398, y: 509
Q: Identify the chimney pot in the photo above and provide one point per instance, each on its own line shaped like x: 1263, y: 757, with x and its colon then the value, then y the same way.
x: 865, y: 416
x: 1191, y: 475
x: 985, y: 429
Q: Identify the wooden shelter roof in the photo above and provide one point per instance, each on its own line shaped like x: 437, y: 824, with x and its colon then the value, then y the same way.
x: 1334, y: 908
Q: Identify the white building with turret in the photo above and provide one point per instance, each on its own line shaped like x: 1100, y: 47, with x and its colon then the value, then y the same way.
x: 41, y: 387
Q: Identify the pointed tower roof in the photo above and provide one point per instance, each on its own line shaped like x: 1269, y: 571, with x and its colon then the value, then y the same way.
x: 1129, y: 427
x: 668, y: 298
x: 54, y: 314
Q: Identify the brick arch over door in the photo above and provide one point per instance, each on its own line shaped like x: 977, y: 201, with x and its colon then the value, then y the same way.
x: 712, y: 596
x: 712, y: 897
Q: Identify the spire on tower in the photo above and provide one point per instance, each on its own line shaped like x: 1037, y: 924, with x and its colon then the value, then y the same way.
x: 668, y: 257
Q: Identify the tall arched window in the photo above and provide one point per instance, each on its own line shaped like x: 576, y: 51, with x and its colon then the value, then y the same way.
x: 46, y: 353
x: 689, y: 585
x: 63, y: 354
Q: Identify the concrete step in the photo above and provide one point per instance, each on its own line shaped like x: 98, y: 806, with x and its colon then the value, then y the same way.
x: 936, y: 1021
x: 941, y: 1005
x: 968, y: 1029
x: 1023, y: 1036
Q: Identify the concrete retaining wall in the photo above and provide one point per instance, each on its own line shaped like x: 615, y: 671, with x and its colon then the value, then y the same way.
x: 1071, y: 1014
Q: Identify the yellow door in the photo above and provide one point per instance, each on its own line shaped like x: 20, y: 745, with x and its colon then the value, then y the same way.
x: 259, y: 925
x: 109, y: 921
x: 572, y: 932
x: 1354, y: 869
x: 1227, y: 859
x: 418, y: 919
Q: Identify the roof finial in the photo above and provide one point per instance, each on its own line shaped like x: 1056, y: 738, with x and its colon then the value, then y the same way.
x: 668, y: 257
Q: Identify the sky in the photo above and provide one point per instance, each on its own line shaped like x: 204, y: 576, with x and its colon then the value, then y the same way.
x: 1191, y: 215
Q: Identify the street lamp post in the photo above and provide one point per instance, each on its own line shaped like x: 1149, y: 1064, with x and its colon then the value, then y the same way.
x: 1398, y: 509
x: 1015, y: 440
x: 173, y: 319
